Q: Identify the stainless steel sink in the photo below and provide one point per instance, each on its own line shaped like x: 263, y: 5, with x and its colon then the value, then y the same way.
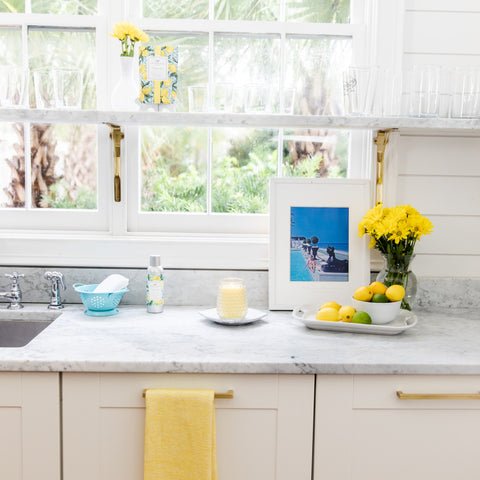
x: 18, y: 328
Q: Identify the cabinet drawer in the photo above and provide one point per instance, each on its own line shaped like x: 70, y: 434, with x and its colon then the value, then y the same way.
x: 380, y: 392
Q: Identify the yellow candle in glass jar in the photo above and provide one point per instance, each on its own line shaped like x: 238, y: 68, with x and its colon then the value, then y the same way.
x: 232, y: 299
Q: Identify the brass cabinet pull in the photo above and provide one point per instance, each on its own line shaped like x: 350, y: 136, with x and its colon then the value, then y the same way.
x: 229, y: 394
x: 437, y: 396
x: 116, y: 135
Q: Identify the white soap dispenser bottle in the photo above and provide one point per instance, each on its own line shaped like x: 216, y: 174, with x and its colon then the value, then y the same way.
x: 155, y: 284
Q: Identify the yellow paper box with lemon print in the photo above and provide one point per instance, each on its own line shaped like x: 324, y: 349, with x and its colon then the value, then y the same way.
x: 158, y: 74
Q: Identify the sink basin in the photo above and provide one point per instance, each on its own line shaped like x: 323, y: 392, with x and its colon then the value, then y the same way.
x: 20, y: 327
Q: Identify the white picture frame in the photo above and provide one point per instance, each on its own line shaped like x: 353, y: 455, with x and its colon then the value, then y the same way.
x: 334, y: 207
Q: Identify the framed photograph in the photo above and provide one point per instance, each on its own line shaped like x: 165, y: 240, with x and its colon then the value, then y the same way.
x: 316, y: 254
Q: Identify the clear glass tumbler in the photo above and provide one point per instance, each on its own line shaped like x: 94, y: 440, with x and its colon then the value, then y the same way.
x: 43, y: 87
x: 358, y: 90
x: 424, y: 91
x: 223, y: 97
x: 466, y: 93
x: 232, y: 299
x: 68, y: 87
x: 257, y: 98
x: 388, y: 93
x: 197, y: 98
x: 12, y: 86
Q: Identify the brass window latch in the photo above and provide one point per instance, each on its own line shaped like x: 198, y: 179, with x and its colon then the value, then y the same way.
x: 117, y: 136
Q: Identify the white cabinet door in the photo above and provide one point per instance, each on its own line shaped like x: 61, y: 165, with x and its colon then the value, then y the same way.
x: 363, y: 431
x: 29, y: 426
x: 264, y: 433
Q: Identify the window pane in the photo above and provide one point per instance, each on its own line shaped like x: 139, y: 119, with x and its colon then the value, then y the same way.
x: 321, y: 153
x: 323, y: 11
x: 174, y: 169
x: 11, y: 41
x: 60, y: 48
x: 12, y: 6
x: 12, y: 166
x: 243, y: 162
x: 175, y: 8
x: 247, y: 9
x: 314, y: 69
x: 193, y: 62
x: 65, y: 7
x: 251, y: 65
x: 64, y: 166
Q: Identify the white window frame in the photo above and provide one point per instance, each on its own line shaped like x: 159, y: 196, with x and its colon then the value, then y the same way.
x: 117, y: 245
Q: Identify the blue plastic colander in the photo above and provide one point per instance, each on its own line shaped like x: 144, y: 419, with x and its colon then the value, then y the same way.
x: 99, y: 304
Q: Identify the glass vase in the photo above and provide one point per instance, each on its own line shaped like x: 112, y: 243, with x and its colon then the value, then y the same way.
x: 397, y: 272
x: 125, y: 92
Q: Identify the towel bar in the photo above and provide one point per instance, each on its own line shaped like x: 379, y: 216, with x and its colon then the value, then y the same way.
x: 227, y: 395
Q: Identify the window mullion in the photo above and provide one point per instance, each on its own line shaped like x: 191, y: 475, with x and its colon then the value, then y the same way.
x: 28, y: 6
x: 26, y: 125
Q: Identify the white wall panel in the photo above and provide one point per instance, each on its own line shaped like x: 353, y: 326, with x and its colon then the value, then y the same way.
x: 424, y: 155
x: 442, y: 32
x: 441, y: 195
x: 443, y: 5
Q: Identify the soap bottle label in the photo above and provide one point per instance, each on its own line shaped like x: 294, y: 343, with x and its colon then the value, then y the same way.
x: 155, y: 290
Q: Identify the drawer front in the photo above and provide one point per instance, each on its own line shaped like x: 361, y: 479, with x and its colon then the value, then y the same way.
x: 418, y: 392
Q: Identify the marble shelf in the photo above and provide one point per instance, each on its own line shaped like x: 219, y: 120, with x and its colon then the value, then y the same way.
x: 404, y: 124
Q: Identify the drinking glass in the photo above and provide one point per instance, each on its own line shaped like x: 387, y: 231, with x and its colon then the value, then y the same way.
x: 388, y: 93
x: 223, y: 97
x: 197, y: 98
x: 358, y: 90
x: 43, y: 87
x: 257, y: 98
x: 67, y: 87
x: 12, y: 86
x: 424, y: 91
x: 465, y: 93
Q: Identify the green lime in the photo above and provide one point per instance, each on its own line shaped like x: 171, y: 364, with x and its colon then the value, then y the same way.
x: 361, y: 317
x: 380, y: 298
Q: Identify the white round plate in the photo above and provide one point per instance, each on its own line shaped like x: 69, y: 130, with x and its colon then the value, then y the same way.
x: 252, y: 315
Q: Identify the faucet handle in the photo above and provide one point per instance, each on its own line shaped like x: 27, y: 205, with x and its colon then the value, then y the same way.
x: 56, y: 277
x: 14, y: 276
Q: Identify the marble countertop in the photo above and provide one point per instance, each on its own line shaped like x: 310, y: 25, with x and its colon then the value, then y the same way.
x: 179, y: 340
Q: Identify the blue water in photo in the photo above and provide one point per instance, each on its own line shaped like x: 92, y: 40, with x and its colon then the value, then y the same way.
x: 323, y: 227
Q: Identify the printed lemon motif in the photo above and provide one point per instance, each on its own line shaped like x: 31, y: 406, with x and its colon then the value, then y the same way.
x: 363, y: 294
x: 395, y: 293
x: 378, y: 287
x: 328, y: 315
x: 334, y: 305
x: 346, y: 313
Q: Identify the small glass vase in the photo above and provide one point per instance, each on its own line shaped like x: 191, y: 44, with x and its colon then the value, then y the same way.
x: 125, y: 92
x: 397, y: 272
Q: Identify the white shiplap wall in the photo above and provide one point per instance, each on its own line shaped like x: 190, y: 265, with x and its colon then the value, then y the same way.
x: 441, y: 175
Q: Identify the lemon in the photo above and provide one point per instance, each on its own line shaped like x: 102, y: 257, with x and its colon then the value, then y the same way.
x: 362, y: 317
x: 327, y: 314
x: 363, y: 294
x: 334, y: 305
x: 378, y: 287
x: 395, y: 293
x: 346, y: 313
x: 379, y: 298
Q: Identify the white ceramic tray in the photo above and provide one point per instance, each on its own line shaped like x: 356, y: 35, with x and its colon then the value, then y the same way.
x: 252, y: 315
x: 402, y: 322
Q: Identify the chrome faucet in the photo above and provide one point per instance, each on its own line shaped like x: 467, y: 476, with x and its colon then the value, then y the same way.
x: 56, y: 281
x: 14, y: 296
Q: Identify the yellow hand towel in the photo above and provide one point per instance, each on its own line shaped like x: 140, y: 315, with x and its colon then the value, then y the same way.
x: 180, y: 442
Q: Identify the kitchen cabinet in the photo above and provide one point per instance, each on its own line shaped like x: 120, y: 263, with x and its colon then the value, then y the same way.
x: 29, y: 426
x: 263, y: 433
x: 363, y: 431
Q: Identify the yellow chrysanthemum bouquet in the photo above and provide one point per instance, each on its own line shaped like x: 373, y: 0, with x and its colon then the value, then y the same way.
x: 129, y: 34
x: 394, y: 232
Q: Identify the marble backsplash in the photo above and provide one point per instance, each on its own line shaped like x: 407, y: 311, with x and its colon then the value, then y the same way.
x: 199, y: 287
